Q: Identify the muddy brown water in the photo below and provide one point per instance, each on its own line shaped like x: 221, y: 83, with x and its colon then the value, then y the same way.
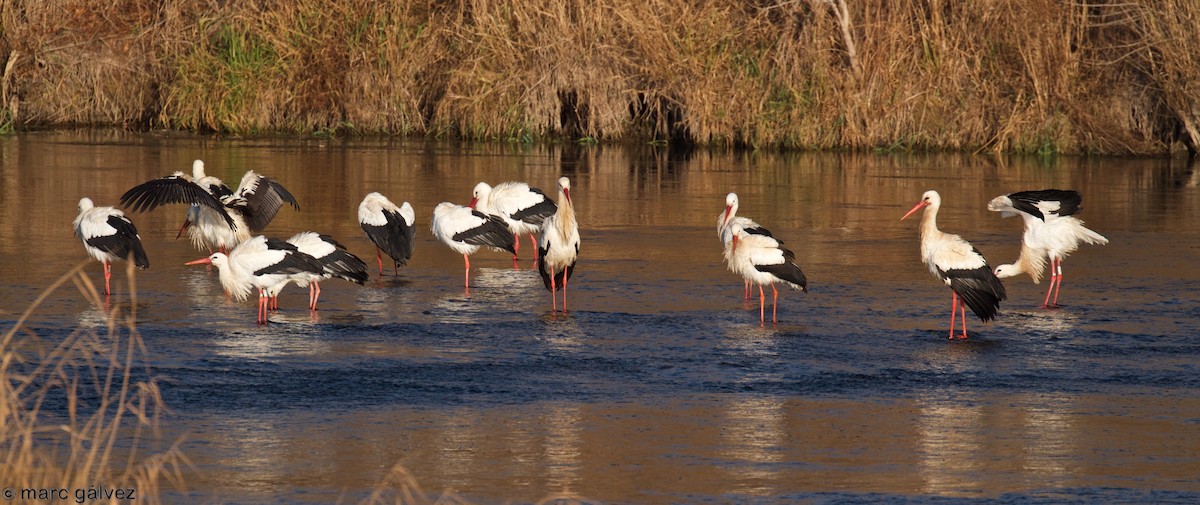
x: 660, y: 386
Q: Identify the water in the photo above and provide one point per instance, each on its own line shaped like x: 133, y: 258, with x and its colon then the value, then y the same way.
x: 660, y: 386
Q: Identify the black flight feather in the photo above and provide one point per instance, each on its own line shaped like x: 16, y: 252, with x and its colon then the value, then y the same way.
x: 560, y: 277
x: 394, y: 238
x: 123, y: 243
x: 1026, y: 201
x: 492, y: 233
x: 979, y: 288
x: 788, y: 271
x: 171, y: 189
x: 342, y: 264
x: 537, y: 213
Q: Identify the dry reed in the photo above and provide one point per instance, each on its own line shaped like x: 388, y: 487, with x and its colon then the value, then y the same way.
x: 80, y: 415
x: 1046, y: 76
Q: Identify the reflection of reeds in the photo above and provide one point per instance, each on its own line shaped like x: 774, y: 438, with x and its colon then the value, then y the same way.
x: 74, y: 413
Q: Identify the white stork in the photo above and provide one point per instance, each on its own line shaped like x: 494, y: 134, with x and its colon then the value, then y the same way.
x: 522, y: 207
x: 761, y: 259
x: 725, y: 220
x: 465, y: 230
x: 1050, y: 232
x: 108, y: 236
x: 334, y: 259
x: 220, y: 218
x: 955, y: 262
x: 558, y: 249
x: 389, y: 227
x: 259, y: 263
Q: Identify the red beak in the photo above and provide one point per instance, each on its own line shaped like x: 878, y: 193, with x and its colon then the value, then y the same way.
x: 185, y: 226
x: 725, y: 221
x: 473, y: 202
x: 567, y: 194
x: 919, y: 204
x: 201, y: 261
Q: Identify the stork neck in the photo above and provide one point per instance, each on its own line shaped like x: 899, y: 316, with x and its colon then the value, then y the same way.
x: 565, y: 215
x: 929, y: 229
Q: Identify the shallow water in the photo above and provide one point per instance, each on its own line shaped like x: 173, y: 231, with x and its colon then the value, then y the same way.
x: 660, y: 386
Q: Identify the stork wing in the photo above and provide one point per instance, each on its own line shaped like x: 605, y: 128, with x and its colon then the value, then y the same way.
x: 533, y: 207
x: 262, y: 197
x: 174, y: 188
x: 1045, y: 204
x: 491, y: 232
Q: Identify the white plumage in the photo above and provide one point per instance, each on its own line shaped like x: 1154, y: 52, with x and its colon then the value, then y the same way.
x: 220, y: 218
x: 524, y: 209
x: 1051, y: 231
x: 108, y: 236
x: 761, y: 259
x: 334, y: 259
x: 725, y: 222
x: 558, y: 248
x: 390, y: 228
x: 465, y: 230
x: 259, y: 263
x: 959, y: 265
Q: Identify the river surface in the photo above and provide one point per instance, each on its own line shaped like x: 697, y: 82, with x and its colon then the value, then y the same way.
x: 660, y: 385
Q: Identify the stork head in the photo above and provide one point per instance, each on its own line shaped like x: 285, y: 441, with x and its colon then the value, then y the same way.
x: 85, y: 203
x: 480, y: 193
x: 929, y: 198
x: 218, y: 259
x: 564, y: 185
x: 731, y: 205
x: 197, y: 170
x: 1006, y: 271
x: 735, y: 230
x: 193, y: 215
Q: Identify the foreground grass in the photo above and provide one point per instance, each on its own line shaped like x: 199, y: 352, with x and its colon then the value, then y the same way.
x: 1036, y: 76
x: 80, y: 418
x: 77, y: 416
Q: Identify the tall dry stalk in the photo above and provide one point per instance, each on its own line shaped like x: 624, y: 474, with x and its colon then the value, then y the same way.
x: 82, y: 412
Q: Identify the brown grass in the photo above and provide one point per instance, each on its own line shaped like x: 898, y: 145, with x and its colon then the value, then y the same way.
x: 106, y: 435
x: 102, y: 438
x: 1044, y: 76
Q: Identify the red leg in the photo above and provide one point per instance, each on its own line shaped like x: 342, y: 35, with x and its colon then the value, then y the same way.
x: 467, y: 272
x: 775, y: 304
x: 1058, y: 284
x: 107, y: 275
x: 553, y: 294
x: 516, y: 247
x: 762, y: 305
x: 962, y: 308
x: 262, y: 307
x: 1050, y: 288
x: 379, y: 258
x: 315, y: 291
x: 953, y: 313
x: 564, y: 284
x: 533, y: 243
x: 747, y: 284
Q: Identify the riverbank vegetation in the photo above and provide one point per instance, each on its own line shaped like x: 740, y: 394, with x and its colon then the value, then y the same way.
x: 1043, y: 76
